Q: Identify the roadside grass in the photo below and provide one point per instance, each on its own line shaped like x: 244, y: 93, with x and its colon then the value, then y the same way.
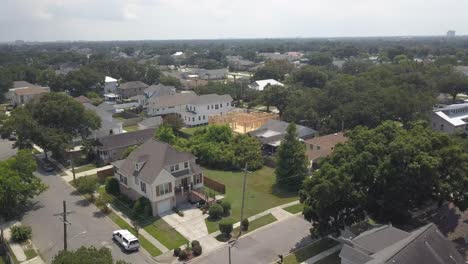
x: 165, y: 234
x: 85, y: 168
x: 331, y: 259
x: 212, y: 225
x: 294, y: 209
x: 131, y: 128
x: 257, y: 223
x: 309, y: 251
x: 152, y: 250
x: 30, y: 253
x: 261, y: 191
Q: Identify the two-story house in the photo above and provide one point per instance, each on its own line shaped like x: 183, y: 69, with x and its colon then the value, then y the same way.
x: 22, y: 92
x: 451, y: 119
x: 159, y: 172
x: 193, y: 109
x: 323, y: 146
x: 129, y: 89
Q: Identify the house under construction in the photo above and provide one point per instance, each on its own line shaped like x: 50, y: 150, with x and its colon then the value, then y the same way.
x: 243, y: 122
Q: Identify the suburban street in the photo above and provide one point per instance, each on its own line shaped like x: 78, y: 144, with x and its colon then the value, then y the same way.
x: 6, y: 149
x: 88, y: 225
x: 265, y: 245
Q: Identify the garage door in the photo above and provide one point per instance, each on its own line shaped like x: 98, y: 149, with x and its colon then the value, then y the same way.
x: 164, y: 206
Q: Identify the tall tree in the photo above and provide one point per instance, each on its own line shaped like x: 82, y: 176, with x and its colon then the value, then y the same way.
x: 292, y: 162
x: 166, y: 134
x: 277, y: 96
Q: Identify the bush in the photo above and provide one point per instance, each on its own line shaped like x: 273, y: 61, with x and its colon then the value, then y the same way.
x: 226, y: 226
x: 215, y: 211
x: 20, y: 233
x: 226, y: 207
x: 112, y: 186
x: 245, y: 224
x: 142, y: 208
x: 183, y: 255
x: 176, y: 252
x: 197, y: 250
x: 195, y: 242
x: 102, y: 201
x: 87, y: 184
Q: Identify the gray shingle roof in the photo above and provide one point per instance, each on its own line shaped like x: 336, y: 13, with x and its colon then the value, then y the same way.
x: 151, y: 121
x: 156, y: 156
x: 279, y: 127
x: 125, y: 139
x: 159, y: 90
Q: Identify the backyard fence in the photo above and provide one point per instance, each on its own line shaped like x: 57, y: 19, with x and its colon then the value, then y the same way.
x: 103, y: 174
x: 214, y: 185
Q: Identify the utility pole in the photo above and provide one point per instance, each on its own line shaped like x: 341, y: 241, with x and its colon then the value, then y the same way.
x: 243, y: 197
x: 230, y: 245
x: 65, y: 223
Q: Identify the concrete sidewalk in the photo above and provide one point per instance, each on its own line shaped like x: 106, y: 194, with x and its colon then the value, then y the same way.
x: 69, y: 176
x: 17, y: 249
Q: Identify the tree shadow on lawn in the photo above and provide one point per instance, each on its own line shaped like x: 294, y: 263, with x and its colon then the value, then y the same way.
x: 223, y: 238
x: 303, y: 242
x: 280, y: 192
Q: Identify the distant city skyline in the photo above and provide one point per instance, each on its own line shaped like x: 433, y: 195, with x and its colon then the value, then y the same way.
x: 53, y: 20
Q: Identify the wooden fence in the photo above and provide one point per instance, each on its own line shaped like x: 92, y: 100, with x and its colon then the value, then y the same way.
x: 103, y: 174
x: 214, y: 185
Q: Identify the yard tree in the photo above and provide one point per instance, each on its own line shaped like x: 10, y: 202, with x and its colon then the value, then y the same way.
x: 453, y: 82
x: 385, y: 172
x: 291, y: 167
x: 247, y: 150
x: 18, y: 183
x: 51, y: 122
x: 274, y: 69
x: 174, y: 121
x: 165, y: 133
x: 276, y: 95
x: 86, y: 255
x: 310, y: 76
x: 320, y: 59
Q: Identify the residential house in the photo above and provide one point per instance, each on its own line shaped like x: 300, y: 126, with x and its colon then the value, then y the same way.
x: 193, y: 109
x: 273, y: 131
x: 151, y: 122
x: 129, y: 89
x: 22, y: 92
x: 159, y: 172
x: 154, y: 91
x: 262, y: 84
x: 207, y: 75
x: 111, y: 148
x: 389, y: 245
x: 451, y: 119
x: 110, y: 85
x: 321, y: 147
x: 237, y: 63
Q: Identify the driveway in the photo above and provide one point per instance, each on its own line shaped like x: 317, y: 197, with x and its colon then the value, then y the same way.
x: 192, y: 226
x: 88, y: 225
x: 265, y: 245
x: 6, y: 149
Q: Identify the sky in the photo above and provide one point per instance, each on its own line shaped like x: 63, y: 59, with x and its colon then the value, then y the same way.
x: 51, y: 20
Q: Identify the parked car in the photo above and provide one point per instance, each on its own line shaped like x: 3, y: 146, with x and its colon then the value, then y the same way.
x: 126, y: 239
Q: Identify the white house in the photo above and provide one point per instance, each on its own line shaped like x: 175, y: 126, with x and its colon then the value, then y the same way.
x: 261, y: 84
x: 160, y: 173
x: 110, y: 85
x: 451, y: 119
x: 193, y: 109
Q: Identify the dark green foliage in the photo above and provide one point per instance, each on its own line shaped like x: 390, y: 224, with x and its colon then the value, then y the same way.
x: 173, y: 121
x: 245, y: 224
x: 177, y: 251
x: 166, y: 134
x: 226, y: 226
x: 170, y: 81
x: 86, y: 255
x: 183, y: 255
x: 385, y: 172
x: 276, y: 95
x: 320, y: 59
x: 20, y: 233
x: 194, y: 243
x: 274, y: 69
x: 310, y: 76
x: 292, y: 162
x: 112, y: 186
x: 142, y: 208
x: 216, y: 211
x: 86, y: 184
x: 226, y: 207
x: 197, y: 250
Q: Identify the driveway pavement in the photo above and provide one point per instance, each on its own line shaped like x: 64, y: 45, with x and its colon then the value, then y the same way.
x: 6, y: 149
x: 88, y: 225
x: 265, y: 245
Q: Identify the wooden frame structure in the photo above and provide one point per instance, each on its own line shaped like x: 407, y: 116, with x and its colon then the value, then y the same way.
x: 243, y: 122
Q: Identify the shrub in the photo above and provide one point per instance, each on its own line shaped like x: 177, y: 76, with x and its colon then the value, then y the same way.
x: 226, y: 226
x: 226, y: 207
x: 112, y: 186
x: 183, y: 255
x: 87, y: 184
x: 215, y: 211
x: 176, y: 252
x: 102, y: 201
x: 20, y: 233
x: 197, y: 250
x: 245, y: 224
x: 195, y: 242
x: 142, y: 207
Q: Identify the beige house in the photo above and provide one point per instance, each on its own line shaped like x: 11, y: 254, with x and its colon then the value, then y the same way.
x: 323, y: 146
x: 160, y: 173
x: 23, y: 92
x: 129, y: 89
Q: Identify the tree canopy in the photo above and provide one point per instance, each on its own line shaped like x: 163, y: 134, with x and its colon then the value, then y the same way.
x: 86, y: 255
x: 385, y: 172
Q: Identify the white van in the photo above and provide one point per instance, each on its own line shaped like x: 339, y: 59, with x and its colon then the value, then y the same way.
x: 126, y: 239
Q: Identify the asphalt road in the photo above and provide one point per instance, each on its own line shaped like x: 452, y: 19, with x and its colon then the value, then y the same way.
x: 6, y: 149
x: 265, y: 245
x: 88, y: 225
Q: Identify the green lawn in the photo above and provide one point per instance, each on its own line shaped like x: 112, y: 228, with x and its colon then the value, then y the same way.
x: 212, y: 225
x: 2, y: 261
x: 30, y: 253
x: 131, y: 128
x: 261, y: 192
x: 309, y: 251
x: 152, y: 250
x: 257, y: 223
x: 331, y: 259
x: 165, y: 234
x: 85, y: 168
x: 294, y: 209
x: 191, y: 130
